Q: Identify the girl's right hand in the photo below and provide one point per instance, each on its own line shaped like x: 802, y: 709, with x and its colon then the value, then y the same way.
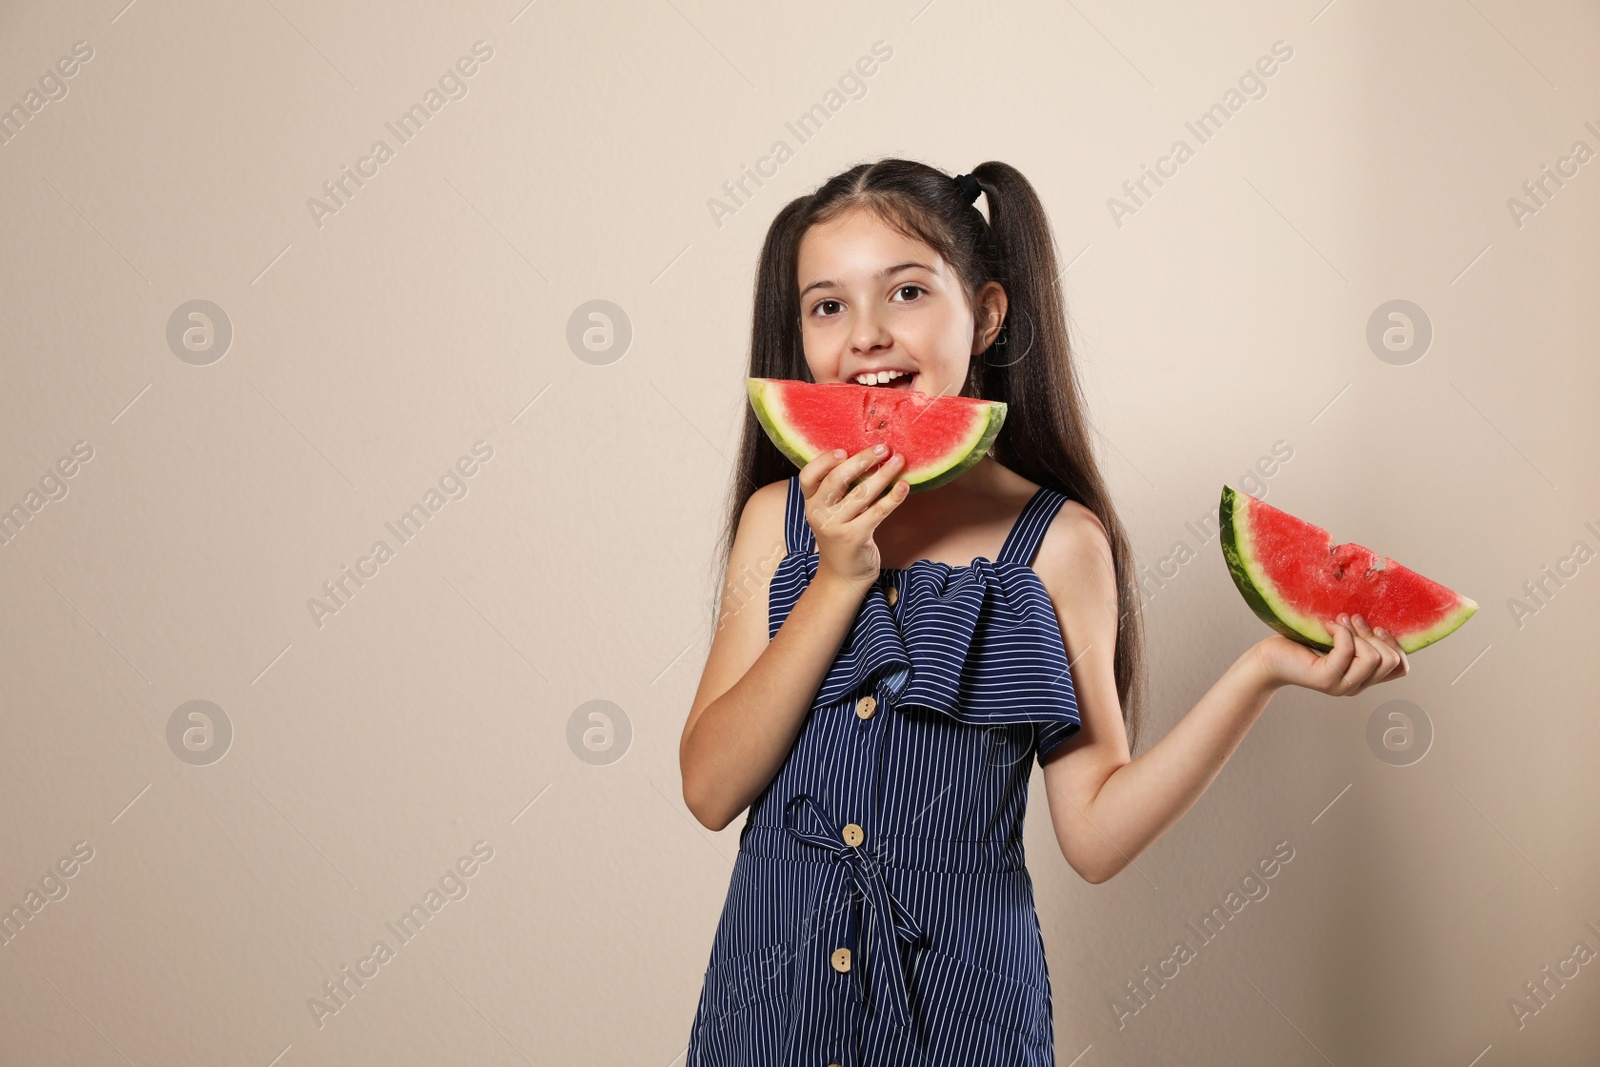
x: 843, y: 517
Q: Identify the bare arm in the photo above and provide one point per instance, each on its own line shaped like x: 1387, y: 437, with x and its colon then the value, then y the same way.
x: 754, y: 694
x: 1107, y: 808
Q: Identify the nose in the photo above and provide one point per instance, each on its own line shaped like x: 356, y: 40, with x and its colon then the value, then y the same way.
x: 868, y: 333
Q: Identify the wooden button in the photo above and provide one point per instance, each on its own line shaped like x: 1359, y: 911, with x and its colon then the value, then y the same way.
x: 892, y: 595
x: 866, y: 706
x: 853, y: 835
x: 841, y: 960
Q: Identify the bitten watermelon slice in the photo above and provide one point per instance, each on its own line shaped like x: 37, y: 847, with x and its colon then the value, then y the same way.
x: 940, y: 437
x: 1297, y: 580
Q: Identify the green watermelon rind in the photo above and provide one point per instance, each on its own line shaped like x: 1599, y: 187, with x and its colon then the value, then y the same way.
x: 1258, y: 592
x: 954, y: 463
x: 930, y: 476
x: 1272, y: 610
x: 783, y: 436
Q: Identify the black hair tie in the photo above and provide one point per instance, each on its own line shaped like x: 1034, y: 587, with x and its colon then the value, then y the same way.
x: 969, y: 186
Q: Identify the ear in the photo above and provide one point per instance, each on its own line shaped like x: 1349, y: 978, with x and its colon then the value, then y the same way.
x: 991, y: 313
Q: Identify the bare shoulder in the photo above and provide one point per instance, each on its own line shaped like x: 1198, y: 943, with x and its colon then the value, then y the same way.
x: 766, y: 509
x: 761, y: 536
x: 1075, y: 553
x: 740, y: 632
x: 759, y: 546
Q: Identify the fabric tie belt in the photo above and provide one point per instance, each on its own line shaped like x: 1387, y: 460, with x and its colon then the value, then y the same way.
x: 868, y: 877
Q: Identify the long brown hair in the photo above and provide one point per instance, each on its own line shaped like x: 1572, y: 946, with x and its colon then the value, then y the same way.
x: 1029, y: 366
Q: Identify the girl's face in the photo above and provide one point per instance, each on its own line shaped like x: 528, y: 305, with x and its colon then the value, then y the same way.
x: 873, y: 300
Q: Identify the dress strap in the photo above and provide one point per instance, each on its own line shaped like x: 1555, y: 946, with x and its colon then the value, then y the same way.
x: 797, y: 531
x: 1023, y: 540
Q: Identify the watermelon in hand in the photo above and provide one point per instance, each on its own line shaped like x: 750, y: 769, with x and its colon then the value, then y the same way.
x: 939, y: 437
x: 1298, y: 581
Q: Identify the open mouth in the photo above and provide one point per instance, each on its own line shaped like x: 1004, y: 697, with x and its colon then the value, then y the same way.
x: 906, y: 381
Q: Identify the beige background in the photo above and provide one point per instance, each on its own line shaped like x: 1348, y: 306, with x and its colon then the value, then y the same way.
x: 431, y: 312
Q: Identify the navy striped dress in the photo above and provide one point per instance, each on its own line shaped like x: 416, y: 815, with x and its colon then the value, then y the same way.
x: 880, y: 912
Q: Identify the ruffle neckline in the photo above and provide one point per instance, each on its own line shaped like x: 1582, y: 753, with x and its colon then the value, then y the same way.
x: 979, y: 644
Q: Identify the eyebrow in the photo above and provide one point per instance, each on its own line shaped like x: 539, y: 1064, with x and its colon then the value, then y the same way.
x: 882, y: 274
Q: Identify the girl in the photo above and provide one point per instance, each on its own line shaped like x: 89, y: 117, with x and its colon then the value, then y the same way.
x: 878, y: 696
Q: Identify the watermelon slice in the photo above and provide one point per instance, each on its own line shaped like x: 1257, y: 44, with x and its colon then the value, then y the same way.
x: 1297, y: 580
x: 941, y: 437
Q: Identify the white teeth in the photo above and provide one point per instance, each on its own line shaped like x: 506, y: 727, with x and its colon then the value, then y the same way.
x: 879, y: 377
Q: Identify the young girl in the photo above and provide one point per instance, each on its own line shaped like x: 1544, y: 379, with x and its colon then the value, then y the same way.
x: 876, y: 698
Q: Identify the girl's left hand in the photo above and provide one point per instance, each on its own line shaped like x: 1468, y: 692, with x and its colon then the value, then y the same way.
x: 1360, y: 657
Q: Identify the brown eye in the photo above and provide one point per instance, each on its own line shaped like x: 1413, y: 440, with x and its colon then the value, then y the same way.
x: 913, y: 288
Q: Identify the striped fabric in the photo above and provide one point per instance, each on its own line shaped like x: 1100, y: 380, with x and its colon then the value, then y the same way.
x: 880, y: 912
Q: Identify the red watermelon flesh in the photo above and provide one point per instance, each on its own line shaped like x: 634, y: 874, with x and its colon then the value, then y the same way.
x: 1297, y: 580
x: 939, y: 437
